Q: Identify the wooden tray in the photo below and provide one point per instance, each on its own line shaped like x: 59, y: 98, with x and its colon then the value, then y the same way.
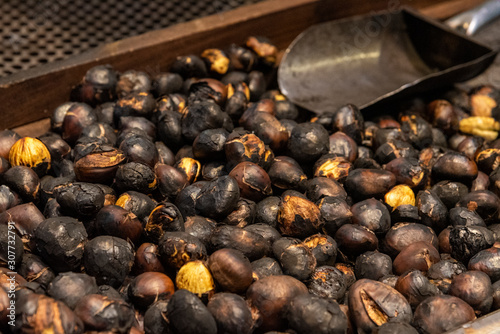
x: 28, y: 98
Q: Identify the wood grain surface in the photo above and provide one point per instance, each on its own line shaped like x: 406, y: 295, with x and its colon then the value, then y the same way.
x: 32, y: 95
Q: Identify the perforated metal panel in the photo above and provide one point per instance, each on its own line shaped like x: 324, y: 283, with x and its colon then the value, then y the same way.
x: 34, y: 32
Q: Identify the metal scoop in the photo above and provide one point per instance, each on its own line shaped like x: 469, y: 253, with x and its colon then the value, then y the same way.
x: 366, y: 60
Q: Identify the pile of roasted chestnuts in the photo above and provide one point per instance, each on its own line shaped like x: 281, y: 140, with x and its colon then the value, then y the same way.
x: 201, y: 200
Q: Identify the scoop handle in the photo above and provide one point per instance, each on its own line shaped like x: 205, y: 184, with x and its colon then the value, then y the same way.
x: 471, y: 21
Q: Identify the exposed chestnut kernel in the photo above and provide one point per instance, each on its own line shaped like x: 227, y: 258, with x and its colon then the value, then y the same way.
x: 399, y: 195
x: 419, y: 255
x: 109, y: 259
x: 486, y: 127
x: 467, y: 241
x: 149, y: 287
x: 328, y: 282
x: 187, y: 314
x: 116, y: 221
x: 366, y: 183
x: 216, y: 61
x: 195, y: 277
x: 312, y: 314
x: 30, y: 152
x: 265, y: 50
x: 373, y: 265
x: 429, y: 314
x: 231, y: 313
x: 373, y: 304
x: 355, y: 239
x: 415, y: 287
x: 270, y: 296
x: 253, y: 181
x: 60, y: 242
x: 101, y: 313
x: 231, y: 270
x: 332, y: 166
x: 147, y: 258
x: 298, y: 217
